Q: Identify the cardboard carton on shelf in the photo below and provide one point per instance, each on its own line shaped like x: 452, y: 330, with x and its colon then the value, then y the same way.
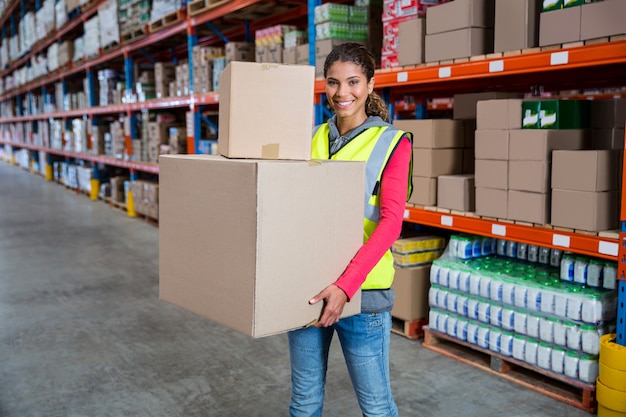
x: 602, y: 19
x: 241, y: 239
x: 251, y: 96
x: 424, y: 191
x: 492, y: 202
x: 435, y: 162
x: 433, y: 133
x: 538, y: 144
x: 411, y: 35
x: 559, y: 26
x: 499, y: 114
x: 491, y: 173
x: 411, y: 286
x: 516, y: 25
x: 492, y: 144
x: 528, y: 206
x: 456, y: 192
x: 586, y: 170
x: 594, y: 211
x: 460, y: 14
x: 530, y: 176
x: 461, y: 43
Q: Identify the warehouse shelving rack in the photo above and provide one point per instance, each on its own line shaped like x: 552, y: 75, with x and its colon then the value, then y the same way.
x: 594, y: 65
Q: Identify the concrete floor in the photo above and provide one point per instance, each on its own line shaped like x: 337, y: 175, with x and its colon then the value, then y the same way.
x: 83, y: 333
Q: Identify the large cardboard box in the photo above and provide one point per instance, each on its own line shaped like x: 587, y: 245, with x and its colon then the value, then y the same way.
x: 456, y: 192
x: 461, y: 43
x: 586, y: 170
x: 529, y: 207
x: 460, y: 14
x: 594, y: 211
x: 499, y: 114
x: 559, y: 26
x: 516, y: 25
x: 533, y: 176
x: 606, y: 18
x: 537, y: 145
x: 266, y: 111
x: 491, y: 202
x: 492, y: 173
x: 492, y: 144
x: 411, y: 286
x: 607, y: 138
x: 240, y: 241
x: 411, y: 42
x: 424, y: 191
x: 434, y: 133
x: 465, y: 105
x: 608, y: 114
x: 435, y: 162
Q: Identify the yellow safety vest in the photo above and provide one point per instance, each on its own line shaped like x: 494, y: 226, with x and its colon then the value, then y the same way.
x: 373, y: 146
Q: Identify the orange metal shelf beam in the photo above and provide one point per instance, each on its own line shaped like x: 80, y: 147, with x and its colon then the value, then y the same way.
x: 223, y: 10
x: 138, y: 166
x: 532, y: 63
x: 584, y: 244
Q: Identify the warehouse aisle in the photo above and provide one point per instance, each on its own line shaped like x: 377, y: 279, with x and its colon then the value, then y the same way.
x: 83, y: 333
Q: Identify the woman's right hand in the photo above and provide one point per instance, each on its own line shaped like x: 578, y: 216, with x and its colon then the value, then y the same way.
x: 334, y: 300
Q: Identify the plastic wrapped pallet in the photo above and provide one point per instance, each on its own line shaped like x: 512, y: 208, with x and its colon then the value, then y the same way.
x: 27, y: 32
x: 4, y: 53
x: 14, y: 47
x: 92, y: 37
x: 60, y: 14
x: 109, y: 33
x: 53, y: 57
x: 79, y: 49
x: 44, y: 20
x: 161, y: 8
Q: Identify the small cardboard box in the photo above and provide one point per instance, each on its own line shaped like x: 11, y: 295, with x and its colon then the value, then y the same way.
x: 607, y: 138
x: 240, y: 51
x: 424, y: 191
x: 538, y: 144
x: 251, y: 95
x: 302, y: 54
x: 586, y: 170
x: 411, y: 286
x: 492, y: 173
x: 499, y: 114
x: 532, y: 176
x: 461, y: 43
x: 492, y: 144
x: 411, y: 42
x: 516, y: 25
x: 585, y: 210
x: 456, y: 192
x: 559, y: 26
x: 529, y: 207
x: 602, y: 19
x: 465, y: 105
x: 434, y: 133
x: 491, y: 202
x: 460, y: 14
x: 607, y: 114
x: 435, y: 162
x: 227, y: 247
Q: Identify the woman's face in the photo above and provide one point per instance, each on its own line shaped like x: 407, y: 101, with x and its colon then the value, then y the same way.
x: 347, y: 90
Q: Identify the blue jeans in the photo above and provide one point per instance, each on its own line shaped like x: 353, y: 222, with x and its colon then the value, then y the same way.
x: 365, y: 343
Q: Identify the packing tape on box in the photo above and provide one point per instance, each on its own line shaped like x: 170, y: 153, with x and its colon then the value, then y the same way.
x: 269, y: 66
x: 607, y: 412
x: 610, y: 398
x: 612, y: 354
x: 612, y: 378
x: 270, y: 151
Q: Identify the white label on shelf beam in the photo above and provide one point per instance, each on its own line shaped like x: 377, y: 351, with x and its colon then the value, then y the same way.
x: 559, y: 58
x: 402, y: 77
x: 447, y: 221
x: 496, y: 66
x: 498, y: 230
x: 560, y: 240
x: 445, y: 72
x: 608, y: 248
x: 406, y: 214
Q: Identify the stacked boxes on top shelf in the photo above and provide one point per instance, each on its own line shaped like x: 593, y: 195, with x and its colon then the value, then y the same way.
x: 573, y: 21
x: 202, y: 60
x: 516, y: 25
x: 271, y: 43
x: 134, y: 17
x: 459, y: 29
x: 395, y: 12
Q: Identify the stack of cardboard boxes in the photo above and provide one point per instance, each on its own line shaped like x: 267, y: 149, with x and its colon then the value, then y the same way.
x: 145, y: 198
x: 227, y: 222
x: 459, y: 29
x: 270, y: 45
x: 202, y: 61
x: 573, y: 21
x: 164, y: 73
x: 437, y: 150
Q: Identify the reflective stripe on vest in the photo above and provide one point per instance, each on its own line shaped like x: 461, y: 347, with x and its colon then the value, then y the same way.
x: 373, y: 170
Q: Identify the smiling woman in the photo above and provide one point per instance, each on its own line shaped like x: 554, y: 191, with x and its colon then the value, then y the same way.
x: 358, y: 131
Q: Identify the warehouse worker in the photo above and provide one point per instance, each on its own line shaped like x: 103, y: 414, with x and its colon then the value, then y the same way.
x: 358, y: 131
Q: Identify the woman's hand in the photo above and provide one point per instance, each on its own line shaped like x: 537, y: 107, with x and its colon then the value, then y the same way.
x: 334, y: 300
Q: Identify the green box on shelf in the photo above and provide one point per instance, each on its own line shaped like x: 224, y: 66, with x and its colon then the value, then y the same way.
x: 564, y: 114
x: 358, y: 15
x: 530, y: 114
x: 331, y: 12
x: 552, y: 5
x: 574, y: 3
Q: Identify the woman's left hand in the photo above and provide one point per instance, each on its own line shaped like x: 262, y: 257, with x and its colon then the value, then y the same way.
x: 334, y: 300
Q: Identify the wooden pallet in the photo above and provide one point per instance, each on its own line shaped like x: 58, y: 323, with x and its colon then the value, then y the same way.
x: 199, y: 6
x: 134, y: 34
x: 411, y: 329
x: 168, y: 20
x: 559, y: 387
